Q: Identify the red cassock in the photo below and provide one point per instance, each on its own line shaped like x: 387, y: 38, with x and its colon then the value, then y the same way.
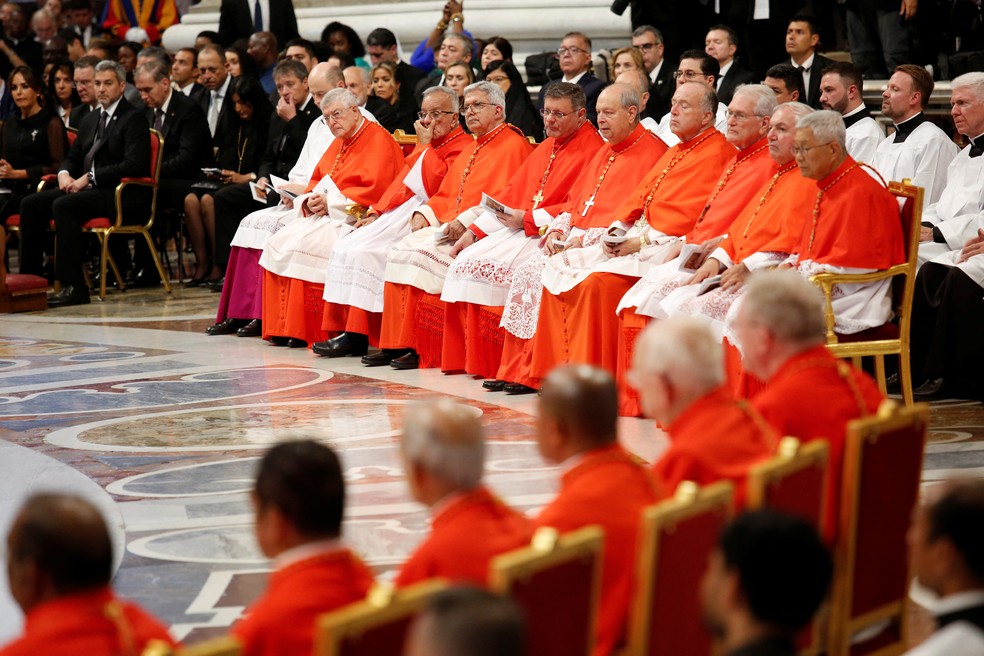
x: 94, y: 623
x: 485, y: 166
x: 437, y: 158
x: 281, y: 622
x: 362, y: 168
x: 606, y: 180
x: 608, y: 487
x: 716, y: 438
x: 580, y: 325
x: 472, y: 335
x: 467, y: 532
x: 813, y: 396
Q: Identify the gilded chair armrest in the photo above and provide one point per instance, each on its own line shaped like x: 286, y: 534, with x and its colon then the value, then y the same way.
x: 141, y: 181
x: 824, y: 279
x: 124, y: 183
x: 46, y: 180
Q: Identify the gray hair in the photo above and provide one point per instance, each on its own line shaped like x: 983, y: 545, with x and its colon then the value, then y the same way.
x: 685, y: 351
x: 628, y: 96
x: 445, y: 438
x: 643, y: 29
x: 491, y: 90
x: 972, y: 81
x: 290, y: 67
x: 763, y: 98
x: 572, y: 92
x: 116, y: 67
x: 343, y: 96
x: 827, y: 126
x: 786, y: 304
x: 467, y: 43
x: 449, y: 94
x: 798, y: 109
x: 363, y: 73
x: 708, y: 97
x: 155, y: 69
x: 155, y: 53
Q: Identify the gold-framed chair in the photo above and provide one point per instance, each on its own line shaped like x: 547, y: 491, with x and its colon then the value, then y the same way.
x: 887, y: 339
x: 104, y: 227
x: 678, y: 536
x: 795, y: 482
x: 377, y: 625
x: 221, y: 646
x: 407, y: 141
x: 882, y: 470
x: 556, y: 582
x: 20, y: 292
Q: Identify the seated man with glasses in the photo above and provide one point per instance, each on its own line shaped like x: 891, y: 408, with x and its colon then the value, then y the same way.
x: 575, y: 63
x: 695, y: 66
x: 649, y: 42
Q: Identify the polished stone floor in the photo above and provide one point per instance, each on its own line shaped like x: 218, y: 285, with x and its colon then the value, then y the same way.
x: 128, y: 402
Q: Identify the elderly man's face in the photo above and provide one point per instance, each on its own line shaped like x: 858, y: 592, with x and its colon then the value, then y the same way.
x: 615, y: 122
x: 342, y: 121
x: 687, y: 115
x: 438, y: 115
x: 744, y: 126
x: 967, y: 111
x: 153, y: 94
x: 782, y: 136
x: 452, y: 50
x: 650, y: 48
x: 815, y: 158
x: 575, y: 55
x: 480, y: 114
x: 84, y: 79
x: 212, y: 72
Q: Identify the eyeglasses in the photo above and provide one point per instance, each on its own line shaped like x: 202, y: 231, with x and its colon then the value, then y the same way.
x: 687, y: 75
x: 497, y: 80
x: 545, y: 113
x: 336, y: 115
x: 564, y: 50
x: 475, y: 107
x: 646, y: 47
x: 432, y: 115
x: 740, y: 116
x: 802, y: 150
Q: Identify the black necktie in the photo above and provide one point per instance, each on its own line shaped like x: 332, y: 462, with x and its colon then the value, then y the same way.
x: 100, y: 130
x: 158, y: 119
x: 976, y: 149
x: 257, y: 16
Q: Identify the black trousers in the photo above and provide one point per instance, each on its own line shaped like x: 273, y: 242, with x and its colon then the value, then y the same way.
x: 70, y: 212
x: 232, y: 204
x: 946, y: 340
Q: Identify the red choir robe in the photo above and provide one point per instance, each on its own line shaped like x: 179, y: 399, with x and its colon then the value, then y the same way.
x: 608, y: 487
x: 93, y: 622
x: 587, y: 202
x: 369, y: 164
x: 715, y: 438
x: 580, y: 325
x: 813, y: 396
x: 484, y: 166
x: 467, y: 532
x: 472, y: 335
x: 281, y: 622
x: 437, y: 156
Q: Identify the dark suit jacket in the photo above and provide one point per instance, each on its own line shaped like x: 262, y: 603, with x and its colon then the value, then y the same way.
x: 661, y: 92
x: 204, y: 98
x: 285, y: 141
x: 187, y: 143
x: 196, y: 91
x: 813, y: 89
x: 735, y: 76
x: 431, y: 80
x: 409, y: 77
x: 236, y: 21
x: 125, y: 149
x: 592, y: 87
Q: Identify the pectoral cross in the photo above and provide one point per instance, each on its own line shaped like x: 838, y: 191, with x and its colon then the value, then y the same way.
x: 588, y: 204
x: 537, y: 199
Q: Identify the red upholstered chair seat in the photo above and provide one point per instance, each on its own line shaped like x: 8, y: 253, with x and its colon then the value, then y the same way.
x: 13, y: 221
x: 383, y: 639
x: 96, y: 224
x: 24, y: 282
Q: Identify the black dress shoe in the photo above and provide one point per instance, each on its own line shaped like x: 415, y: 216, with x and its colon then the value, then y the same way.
x: 145, y: 279
x: 931, y: 390
x: 516, y: 388
x: 344, y: 344
x: 225, y: 327
x: 195, y: 282
x: 215, y: 285
x: 494, y: 385
x: 279, y: 341
x: 253, y: 329
x: 383, y: 357
x: 409, y: 361
x: 69, y: 295
x: 293, y: 342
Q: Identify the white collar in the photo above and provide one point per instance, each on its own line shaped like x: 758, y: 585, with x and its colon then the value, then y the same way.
x: 306, y: 551
x: 856, y: 110
x: 655, y: 72
x: 167, y: 103
x: 109, y: 111
x: 724, y: 69
x: 957, y: 602
x: 223, y: 90
x: 806, y: 65
x: 574, y: 79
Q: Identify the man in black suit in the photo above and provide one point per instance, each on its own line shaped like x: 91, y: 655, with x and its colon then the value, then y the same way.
x: 763, y: 26
x: 381, y: 47
x: 575, y: 61
x: 184, y: 73
x: 113, y: 143
x: 722, y: 44
x: 802, y: 39
x: 238, y: 19
x: 84, y: 77
x: 214, y: 76
x: 649, y: 42
x: 295, y: 113
x: 946, y: 550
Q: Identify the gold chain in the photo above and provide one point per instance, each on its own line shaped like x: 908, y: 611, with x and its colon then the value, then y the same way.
x: 346, y: 146
x: 471, y: 160
x: 724, y: 181
x: 816, y: 206
x: 242, y: 149
x: 775, y: 179
x: 673, y: 162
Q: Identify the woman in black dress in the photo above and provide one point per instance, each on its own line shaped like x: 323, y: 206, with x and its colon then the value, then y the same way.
x: 519, y: 106
x: 33, y: 142
x: 241, y: 145
x: 386, y: 87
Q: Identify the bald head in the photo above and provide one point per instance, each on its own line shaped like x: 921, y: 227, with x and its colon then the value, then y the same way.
x: 636, y: 79
x: 445, y: 438
x: 57, y: 545
x: 582, y: 402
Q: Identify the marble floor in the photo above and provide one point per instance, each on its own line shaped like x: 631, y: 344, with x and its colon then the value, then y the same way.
x: 129, y: 403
